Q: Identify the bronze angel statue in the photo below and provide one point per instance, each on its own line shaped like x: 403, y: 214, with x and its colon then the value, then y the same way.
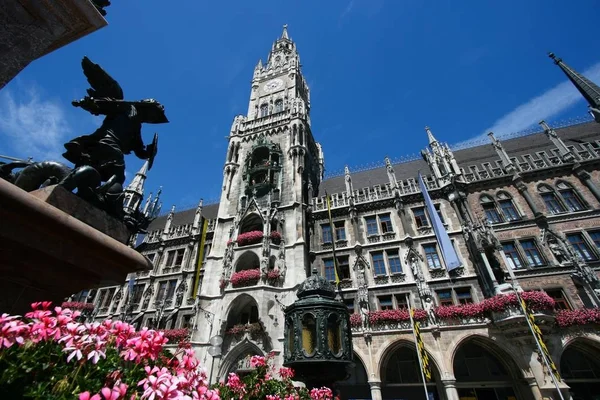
x: 99, y: 158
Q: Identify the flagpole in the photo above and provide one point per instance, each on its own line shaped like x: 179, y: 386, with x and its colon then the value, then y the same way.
x: 539, y: 346
x: 412, y: 326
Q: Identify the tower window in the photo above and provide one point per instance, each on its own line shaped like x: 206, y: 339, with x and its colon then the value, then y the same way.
x: 432, y: 256
x: 420, y: 217
x: 278, y: 105
x: 264, y: 110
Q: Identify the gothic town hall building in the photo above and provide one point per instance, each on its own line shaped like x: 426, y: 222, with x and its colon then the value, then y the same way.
x: 524, y: 210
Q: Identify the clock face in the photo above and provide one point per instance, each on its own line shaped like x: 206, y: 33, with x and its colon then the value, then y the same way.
x: 273, y: 85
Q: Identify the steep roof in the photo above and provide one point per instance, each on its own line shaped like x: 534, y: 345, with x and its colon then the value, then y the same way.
x: 477, y: 155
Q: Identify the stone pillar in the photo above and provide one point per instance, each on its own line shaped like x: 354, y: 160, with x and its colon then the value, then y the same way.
x: 522, y: 188
x: 450, y: 388
x: 376, y: 389
x: 586, y: 178
x: 535, y: 389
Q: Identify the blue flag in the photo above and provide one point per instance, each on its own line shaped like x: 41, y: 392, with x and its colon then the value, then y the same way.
x: 448, y: 253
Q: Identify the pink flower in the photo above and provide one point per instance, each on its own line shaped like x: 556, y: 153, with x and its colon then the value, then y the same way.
x: 286, y: 373
x: 257, y: 361
x: 247, y: 276
x: 248, y: 238
x: 323, y: 393
x: 355, y: 320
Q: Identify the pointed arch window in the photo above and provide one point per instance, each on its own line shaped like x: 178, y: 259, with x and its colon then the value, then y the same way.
x: 551, y: 200
x: 278, y: 105
x: 491, y: 211
x: 570, y: 197
x: 509, y: 211
x: 264, y: 110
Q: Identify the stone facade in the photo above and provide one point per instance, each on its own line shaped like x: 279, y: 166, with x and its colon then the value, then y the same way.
x: 522, y: 211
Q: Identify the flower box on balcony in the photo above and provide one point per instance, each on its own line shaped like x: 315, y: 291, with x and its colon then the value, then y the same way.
x: 394, y: 319
x: 75, y: 305
x: 247, y: 277
x: 176, y: 335
x: 248, y: 238
x: 275, y: 237
x: 355, y: 320
x: 579, y: 317
x: 253, y: 329
x: 273, y: 275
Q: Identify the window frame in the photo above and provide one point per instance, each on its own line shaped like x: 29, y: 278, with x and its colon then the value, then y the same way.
x: 436, y: 253
x: 562, y: 299
x: 593, y: 256
x: 421, y: 221
x: 543, y: 262
x: 519, y: 256
x: 375, y: 263
x: 326, y: 234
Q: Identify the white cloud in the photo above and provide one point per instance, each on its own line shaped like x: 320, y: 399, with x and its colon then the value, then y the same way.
x: 545, y: 106
x: 32, y: 126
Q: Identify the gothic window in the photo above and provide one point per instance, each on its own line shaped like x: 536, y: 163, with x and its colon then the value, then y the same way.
x: 385, y: 303
x: 371, y: 223
x: 533, y: 256
x: 344, y: 266
x: 432, y: 256
x: 553, y: 204
x: 378, y: 263
x: 136, y: 293
x: 581, y: 247
x: 570, y: 198
x: 278, y: 105
x: 512, y: 255
x: 386, y: 223
x: 420, y: 217
x: 438, y: 210
x: 400, y: 299
x: 463, y: 295
x: 166, y: 290
x: 252, y: 222
x: 248, y: 260
x: 509, y: 211
x: 560, y: 301
x: 170, y: 258
x: 329, y: 267
x: 340, y: 230
x: 264, y: 110
x: 350, y: 305
x: 489, y: 208
x: 394, y: 261
x: 595, y: 236
x: 445, y: 297
x: 186, y: 321
x: 326, y: 233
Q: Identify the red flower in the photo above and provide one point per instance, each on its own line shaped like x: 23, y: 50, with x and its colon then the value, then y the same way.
x: 386, y: 316
x: 275, y: 237
x: 75, y: 305
x: 355, y: 320
x: 273, y: 274
x: 245, y: 277
x: 582, y: 316
x: 176, y: 335
x: 247, y: 238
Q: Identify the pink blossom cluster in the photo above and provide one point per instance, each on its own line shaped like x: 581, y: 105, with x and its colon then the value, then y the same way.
x: 275, y: 237
x: 223, y: 283
x: 582, y: 316
x: 385, y: 316
x: 247, y: 238
x: 355, y: 320
x: 471, y: 310
x: 286, y: 373
x: 237, y: 329
x: 535, y: 300
x: 88, y: 343
x: 245, y: 277
x: 76, y: 305
x: 257, y: 361
x: 176, y: 335
x: 273, y: 274
x: 323, y: 393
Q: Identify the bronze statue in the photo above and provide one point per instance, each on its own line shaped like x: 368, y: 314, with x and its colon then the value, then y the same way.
x: 99, y: 163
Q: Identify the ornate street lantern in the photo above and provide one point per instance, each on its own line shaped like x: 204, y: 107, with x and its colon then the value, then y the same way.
x: 318, y: 341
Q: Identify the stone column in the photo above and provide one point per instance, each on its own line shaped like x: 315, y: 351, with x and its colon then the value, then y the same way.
x: 533, y: 386
x: 586, y: 178
x: 376, y: 389
x: 522, y: 188
x: 450, y: 388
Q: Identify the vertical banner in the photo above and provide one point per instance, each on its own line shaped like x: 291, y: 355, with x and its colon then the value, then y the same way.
x: 537, y: 334
x: 421, y: 352
x: 335, y: 261
x: 448, y: 253
x: 200, y: 256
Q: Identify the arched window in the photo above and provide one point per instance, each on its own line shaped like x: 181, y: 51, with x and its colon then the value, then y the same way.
x: 509, y: 211
x: 553, y: 204
x: 278, y: 105
x: 252, y: 222
x: 491, y: 211
x: 264, y: 110
x: 570, y: 197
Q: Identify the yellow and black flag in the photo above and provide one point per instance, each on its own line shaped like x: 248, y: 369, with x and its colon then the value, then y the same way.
x: 200, y: 257
x: 332, y: 228
x: 421, y: 352
x: 537, y: 333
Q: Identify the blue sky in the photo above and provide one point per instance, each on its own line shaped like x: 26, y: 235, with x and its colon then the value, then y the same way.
x: 379, y: 71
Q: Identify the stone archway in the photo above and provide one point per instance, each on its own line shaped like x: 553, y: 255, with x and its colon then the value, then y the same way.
x: 236, y: 359
x: 248, y: 260
x: 251, y: 222
x: 580, y: 369
x: 401, y: 374
x: 357, y: 385
x: 483, y: 371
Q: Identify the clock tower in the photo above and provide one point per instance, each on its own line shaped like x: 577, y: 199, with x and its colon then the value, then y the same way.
x: 260, y: 251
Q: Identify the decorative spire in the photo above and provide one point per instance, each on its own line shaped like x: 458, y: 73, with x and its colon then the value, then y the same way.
x: 259, y: 65
x: 147, y: 204
x: 504, y: 158
x: 134, y: 193
x: 348, y: 179
x: 588, y: 89
x: 430, y: 136
x: 284, y: 34
x: 137, y: 183
x: 565, y: 154
x: 197, y: 217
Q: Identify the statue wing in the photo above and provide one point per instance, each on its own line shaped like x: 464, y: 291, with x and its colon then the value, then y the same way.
x: 102, y: 84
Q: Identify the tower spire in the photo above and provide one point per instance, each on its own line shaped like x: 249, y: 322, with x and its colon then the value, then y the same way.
x: 284, y: 34
x: 588, y: 89
x: 134, y: 193
x: 430, y: 136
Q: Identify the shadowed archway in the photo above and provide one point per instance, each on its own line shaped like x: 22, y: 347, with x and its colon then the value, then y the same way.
x: 580, y: 369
